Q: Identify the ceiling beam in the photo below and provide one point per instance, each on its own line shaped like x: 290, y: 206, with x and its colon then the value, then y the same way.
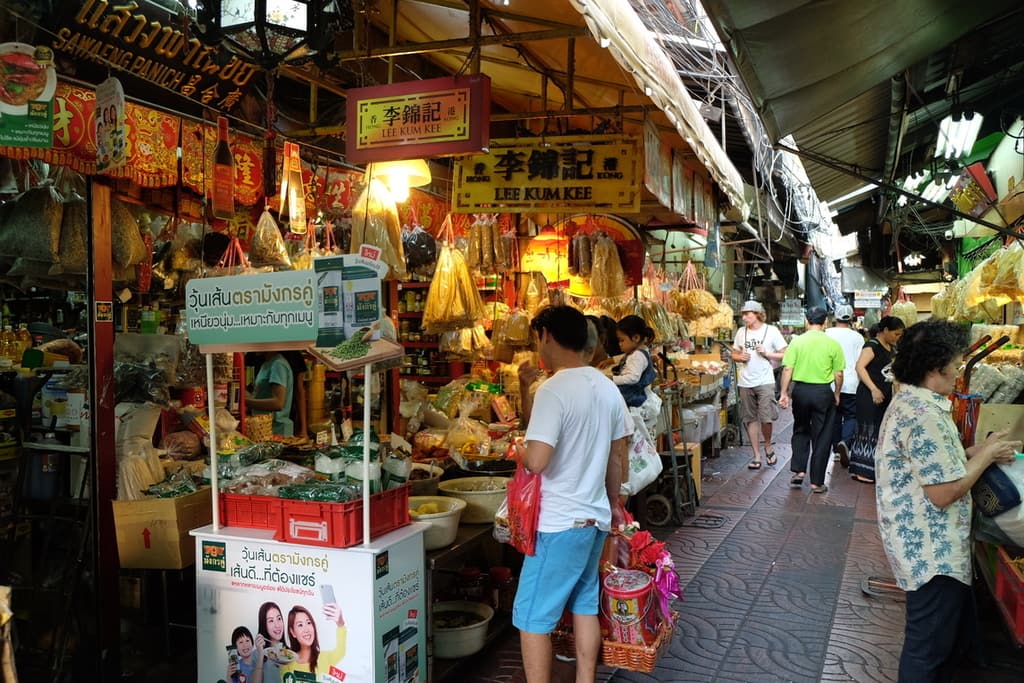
x: 460, y: 6
x: 456, y: 43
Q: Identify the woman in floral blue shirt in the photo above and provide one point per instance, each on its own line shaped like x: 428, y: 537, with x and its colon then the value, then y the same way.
x: 924, y: 480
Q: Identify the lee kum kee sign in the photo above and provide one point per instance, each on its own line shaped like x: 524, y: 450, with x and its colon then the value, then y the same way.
x: 435, y: 117
x: 580, y: 173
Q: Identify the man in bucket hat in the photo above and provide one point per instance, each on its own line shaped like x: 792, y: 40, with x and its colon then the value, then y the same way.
x: 756, y: 345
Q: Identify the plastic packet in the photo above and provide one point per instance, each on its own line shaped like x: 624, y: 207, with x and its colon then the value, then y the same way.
x: 321, y: 491
x: 267, y: 247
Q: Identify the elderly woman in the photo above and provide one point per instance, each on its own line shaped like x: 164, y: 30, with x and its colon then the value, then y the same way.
x: 924, y: 480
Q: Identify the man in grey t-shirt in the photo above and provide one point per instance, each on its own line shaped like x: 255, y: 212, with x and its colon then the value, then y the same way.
x: 756, y: 345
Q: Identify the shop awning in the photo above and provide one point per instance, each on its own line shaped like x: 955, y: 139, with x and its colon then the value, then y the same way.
x: 616, y: 24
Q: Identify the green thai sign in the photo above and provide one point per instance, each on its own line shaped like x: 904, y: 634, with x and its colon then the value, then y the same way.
x: 239, y: 310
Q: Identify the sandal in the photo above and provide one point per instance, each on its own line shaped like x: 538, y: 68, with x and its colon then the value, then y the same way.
x: 770, y: 459
x: 819, y: 489
x: 755, y: 465
x: 796, y: 482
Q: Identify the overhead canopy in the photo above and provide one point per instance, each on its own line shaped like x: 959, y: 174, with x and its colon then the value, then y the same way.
x: 803, y: 59
x: 821, y: 71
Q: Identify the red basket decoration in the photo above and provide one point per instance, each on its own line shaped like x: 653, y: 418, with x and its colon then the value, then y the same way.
x: 622, y: 655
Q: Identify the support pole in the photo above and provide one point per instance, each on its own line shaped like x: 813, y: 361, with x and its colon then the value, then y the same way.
x: 211, y: 408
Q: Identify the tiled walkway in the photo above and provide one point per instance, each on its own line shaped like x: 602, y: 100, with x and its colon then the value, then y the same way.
x: 775, y: 593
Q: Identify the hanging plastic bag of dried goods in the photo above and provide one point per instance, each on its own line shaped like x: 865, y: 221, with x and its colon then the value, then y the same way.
x: 267, y: 248
x: 32, y: 228
x: 126, y: 240
x: 73, y: 255
x: 420, y: 246
x: 607, y: 278
x: 375, y: 222
x: 904, y: 309
x: 1004, y: 287
x: 453, y: 301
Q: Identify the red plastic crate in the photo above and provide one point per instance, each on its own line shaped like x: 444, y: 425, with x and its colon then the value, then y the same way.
x: 340, y: 525
x: 252, y: 512
x: 1010, y: 595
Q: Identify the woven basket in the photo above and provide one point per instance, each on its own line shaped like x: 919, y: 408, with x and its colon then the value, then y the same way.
x: 621, y: 655
x: 259, y: 427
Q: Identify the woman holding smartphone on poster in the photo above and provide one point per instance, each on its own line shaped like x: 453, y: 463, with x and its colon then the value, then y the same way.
x: 304, y: 640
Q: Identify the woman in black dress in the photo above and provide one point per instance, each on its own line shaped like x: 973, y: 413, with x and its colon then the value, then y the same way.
x: 873, y: 395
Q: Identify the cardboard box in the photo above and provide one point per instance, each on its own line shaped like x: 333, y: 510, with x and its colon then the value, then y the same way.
x: 153, y: 533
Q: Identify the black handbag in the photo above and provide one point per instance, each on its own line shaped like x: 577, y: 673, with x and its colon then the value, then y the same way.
x: 995, y: 492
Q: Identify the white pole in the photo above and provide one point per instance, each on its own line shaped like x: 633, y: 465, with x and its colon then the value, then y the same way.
x: 366, y: 452
x: 214, y: 459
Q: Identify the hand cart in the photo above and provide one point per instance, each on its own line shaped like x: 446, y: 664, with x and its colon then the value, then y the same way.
x: 965, y: 404
x: 673, y: 495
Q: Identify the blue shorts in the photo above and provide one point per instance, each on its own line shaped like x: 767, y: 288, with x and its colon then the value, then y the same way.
x: 563, y: 574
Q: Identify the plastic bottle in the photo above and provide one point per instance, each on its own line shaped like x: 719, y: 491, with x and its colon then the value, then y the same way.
x: 9, y: 345
x: 24, y: 338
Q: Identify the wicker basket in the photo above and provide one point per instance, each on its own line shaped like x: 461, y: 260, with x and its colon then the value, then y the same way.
x: 621, y: 655
x: 260, y: 427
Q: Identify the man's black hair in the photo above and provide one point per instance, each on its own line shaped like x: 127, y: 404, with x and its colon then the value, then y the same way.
x: 566, y: 324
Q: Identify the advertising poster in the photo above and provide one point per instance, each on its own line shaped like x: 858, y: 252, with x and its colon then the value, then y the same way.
x: 309, y: 615
x: 27, y: 84
x: 348, y: 296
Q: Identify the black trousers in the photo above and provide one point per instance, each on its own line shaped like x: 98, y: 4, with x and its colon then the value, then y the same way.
x: 941, y: 630
x: 846, y: 420
x: 814, y: 411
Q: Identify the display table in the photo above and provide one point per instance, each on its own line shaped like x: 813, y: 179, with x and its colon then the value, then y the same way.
x: 379, y: 587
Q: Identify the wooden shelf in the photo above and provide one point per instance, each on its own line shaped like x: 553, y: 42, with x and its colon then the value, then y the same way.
x: 56, y: 448
x: 419, y: 345
x: 417, y: 314
x: 427, y: 379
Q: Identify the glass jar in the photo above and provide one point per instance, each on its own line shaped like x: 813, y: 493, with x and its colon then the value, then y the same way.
x: 474, y: 585
x: 503, y: 589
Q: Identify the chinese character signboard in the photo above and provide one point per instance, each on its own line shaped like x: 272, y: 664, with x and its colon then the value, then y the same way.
x: 598, y: 173
x: 435, y: 117
x: 26, y: 97
x: 152, y: 44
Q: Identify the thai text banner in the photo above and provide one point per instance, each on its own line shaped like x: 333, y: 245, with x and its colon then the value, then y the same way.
x: 252, y: 309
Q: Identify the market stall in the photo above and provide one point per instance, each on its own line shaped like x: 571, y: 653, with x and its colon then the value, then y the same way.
x: 989, y: 400
x: 318, y: 560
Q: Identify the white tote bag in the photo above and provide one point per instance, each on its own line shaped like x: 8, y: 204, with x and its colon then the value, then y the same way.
x: 644, y: 461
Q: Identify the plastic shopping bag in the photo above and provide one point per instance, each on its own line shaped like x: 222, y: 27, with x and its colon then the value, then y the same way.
x: 515, y: 520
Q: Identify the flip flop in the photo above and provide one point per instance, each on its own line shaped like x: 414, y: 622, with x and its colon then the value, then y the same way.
x: 756, y: 465
x: 770, y: 459
x: 796, y: 482
x: 819, y: 489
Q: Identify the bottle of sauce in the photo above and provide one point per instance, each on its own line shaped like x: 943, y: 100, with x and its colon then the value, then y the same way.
x: 223, y: 174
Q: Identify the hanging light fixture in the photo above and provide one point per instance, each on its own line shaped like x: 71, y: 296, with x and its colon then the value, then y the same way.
x: 399, y: 176
x: 957, y: 134
x: 270, y: 32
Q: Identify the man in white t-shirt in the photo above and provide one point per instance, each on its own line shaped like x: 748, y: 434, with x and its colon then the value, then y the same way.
x: 577, y: 415
x: 846, y: 413
x: 756, y: 345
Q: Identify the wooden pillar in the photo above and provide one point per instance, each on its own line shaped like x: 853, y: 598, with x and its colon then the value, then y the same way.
x: 104, y: 474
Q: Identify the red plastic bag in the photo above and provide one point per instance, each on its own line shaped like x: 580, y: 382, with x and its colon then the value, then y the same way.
x: 523, y: 497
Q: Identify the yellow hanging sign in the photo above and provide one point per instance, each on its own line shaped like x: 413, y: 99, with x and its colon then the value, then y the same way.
x: 599, y: 173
